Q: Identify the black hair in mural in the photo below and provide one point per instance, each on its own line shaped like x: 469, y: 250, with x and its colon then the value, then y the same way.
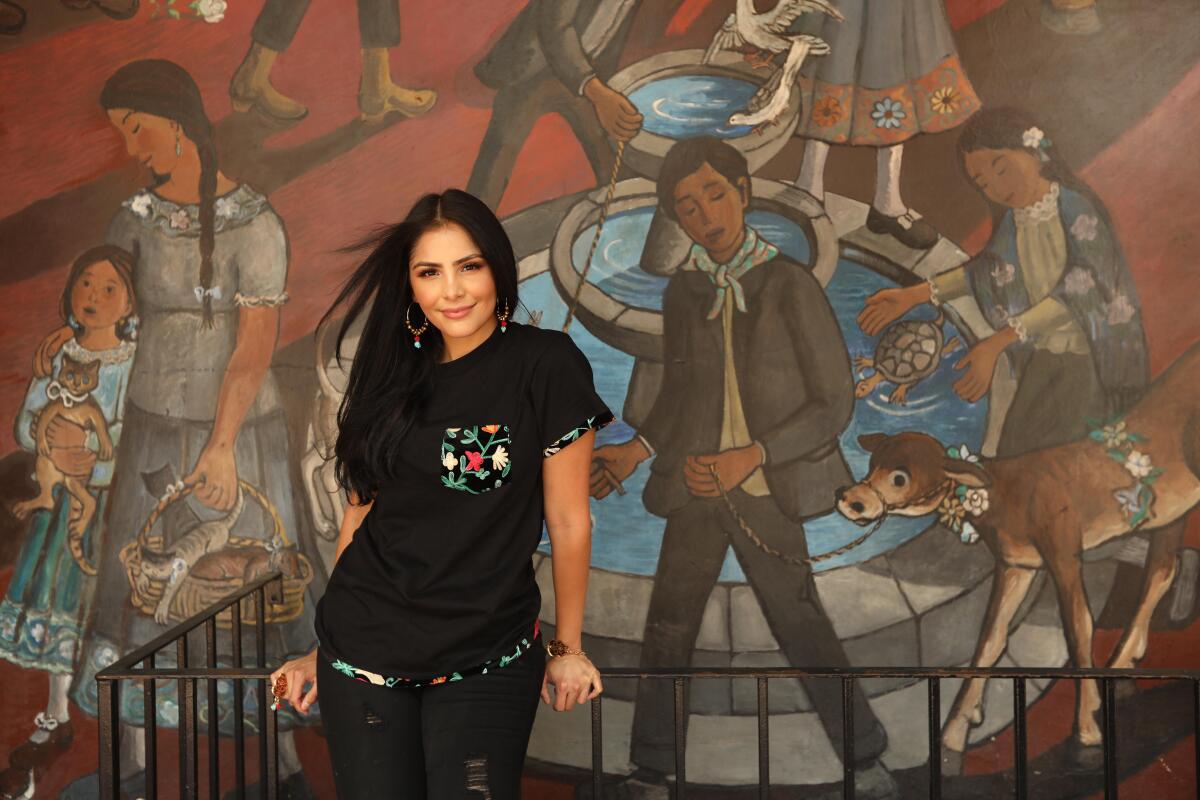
x: 165, y: 89
x: 1004, y: 129
x: 390, y: 380
x: 688, y: 155
x: 123, y: 262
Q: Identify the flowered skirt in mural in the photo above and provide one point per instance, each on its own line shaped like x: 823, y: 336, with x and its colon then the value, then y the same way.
x: 153, y: 450
x: 47, y: 602
x: 892, y: 72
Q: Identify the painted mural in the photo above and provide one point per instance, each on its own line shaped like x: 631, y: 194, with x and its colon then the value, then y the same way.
x: 937, y: 409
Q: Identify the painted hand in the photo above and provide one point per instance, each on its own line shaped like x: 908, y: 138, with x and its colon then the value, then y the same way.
x: 978, y: 365
x: 216, y: 474
x: 613, y: 464
x: 619, y: 117
x: 74, y: 462
x: 43, y: 357
x: 888, y: 305
x: 733, y: 466
x: 575, y: 680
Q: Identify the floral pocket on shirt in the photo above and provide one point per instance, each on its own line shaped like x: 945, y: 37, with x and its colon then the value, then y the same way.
x: 476, y: 459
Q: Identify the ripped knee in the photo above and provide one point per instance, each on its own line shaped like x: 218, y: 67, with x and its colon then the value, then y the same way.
x: 477, y: 777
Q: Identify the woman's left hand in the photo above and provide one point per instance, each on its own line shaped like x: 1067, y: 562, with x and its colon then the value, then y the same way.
x: 980, y: 365
x: 216, y: 472
x: 575, y: 680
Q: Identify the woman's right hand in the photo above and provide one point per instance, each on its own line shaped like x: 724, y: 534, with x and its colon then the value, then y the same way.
x: 43, y: 358
x: 888, y: 305
x: 299, y: 672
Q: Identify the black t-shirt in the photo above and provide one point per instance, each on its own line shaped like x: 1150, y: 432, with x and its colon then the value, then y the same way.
x: 439, y: 575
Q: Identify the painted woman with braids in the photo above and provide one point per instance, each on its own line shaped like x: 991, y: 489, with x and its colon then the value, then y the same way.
x: 202, y: 404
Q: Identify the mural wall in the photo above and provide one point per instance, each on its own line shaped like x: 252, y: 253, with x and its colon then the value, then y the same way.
x: 908, y: 421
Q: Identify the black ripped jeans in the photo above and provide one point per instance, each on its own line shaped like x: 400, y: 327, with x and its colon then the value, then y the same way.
x: 465, y: 739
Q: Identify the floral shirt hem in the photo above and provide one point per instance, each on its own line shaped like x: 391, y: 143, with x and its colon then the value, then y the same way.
x: 592, y: 424
x: 522, y: 647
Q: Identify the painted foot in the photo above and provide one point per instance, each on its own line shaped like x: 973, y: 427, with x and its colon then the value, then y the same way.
x: 374, y: 105
x: 911, y: 232
x: 51, y: 739
x: 24, y: 508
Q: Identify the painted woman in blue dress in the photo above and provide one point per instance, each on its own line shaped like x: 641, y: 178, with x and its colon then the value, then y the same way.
x: 43, y: 612
x: 1052, y: 282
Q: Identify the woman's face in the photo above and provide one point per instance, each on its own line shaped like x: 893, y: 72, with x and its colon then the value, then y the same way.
x: 711, y: 210
x: 99, y: 297
x: 452, y: 283
x: 150, y: 140
x: 1010, y: 177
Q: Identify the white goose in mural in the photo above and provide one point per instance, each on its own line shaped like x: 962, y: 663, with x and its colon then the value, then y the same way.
x: 768, y: 32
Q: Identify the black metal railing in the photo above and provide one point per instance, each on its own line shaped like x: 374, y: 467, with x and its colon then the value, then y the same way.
x: 932, y: 676
x: 140, y: 666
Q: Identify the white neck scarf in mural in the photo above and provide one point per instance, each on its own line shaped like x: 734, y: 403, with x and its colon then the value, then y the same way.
x: 725, y: 277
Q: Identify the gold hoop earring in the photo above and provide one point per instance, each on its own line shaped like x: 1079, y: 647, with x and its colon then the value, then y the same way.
x: 416, y: 332
x: 503, y: 317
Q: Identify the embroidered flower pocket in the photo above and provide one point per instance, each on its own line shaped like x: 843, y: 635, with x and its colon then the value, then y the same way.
x: 476, y: 459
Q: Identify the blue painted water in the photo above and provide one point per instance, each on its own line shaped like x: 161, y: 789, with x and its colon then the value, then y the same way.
x: 684, y: 106
x: 626, y: 537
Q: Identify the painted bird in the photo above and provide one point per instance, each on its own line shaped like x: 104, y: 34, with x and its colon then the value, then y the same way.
x: 768, y: 32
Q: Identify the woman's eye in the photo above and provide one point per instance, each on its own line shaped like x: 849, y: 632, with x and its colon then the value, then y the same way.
x: 137, y: 127
x: 473, y: 265
x: 427, y: 273
x: 1001, y: 170
x: 717, y: 196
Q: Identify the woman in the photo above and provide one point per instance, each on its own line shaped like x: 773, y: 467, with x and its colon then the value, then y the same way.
x: 43, y: 612
x: 460, y: 434
x: 1053, y: 284
x: 202, y: 405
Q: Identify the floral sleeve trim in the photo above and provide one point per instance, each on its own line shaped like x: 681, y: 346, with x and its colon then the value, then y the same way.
x: 592, y: 424
x: 522, y: 647
x: 256, y: 301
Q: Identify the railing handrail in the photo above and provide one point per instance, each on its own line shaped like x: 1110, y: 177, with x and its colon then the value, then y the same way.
x: 185, y: 627
x: 1031, y: 673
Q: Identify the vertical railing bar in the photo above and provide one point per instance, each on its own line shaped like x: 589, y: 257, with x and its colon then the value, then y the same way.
x: 185, y: 720
x: 210, y: 657
x: 1196, y: 730
x: 597, y: 748
x: 1020, y: 745
x: 1109, y: 706
x: 935, y: 739
x: 680, y: 741
x: 239, y: 687
x: 110, y: 747
x: 260, y: 644
x: 150, y: 720
x: 848, y: 738
x: 764, y: 742
x: 270, y: 778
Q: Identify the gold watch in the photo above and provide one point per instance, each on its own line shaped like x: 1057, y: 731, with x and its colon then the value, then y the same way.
x: 555, y: 648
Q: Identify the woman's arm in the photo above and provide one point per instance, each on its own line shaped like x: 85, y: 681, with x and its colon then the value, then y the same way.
x: 301, y: 672
x: 258, y: 329
x: 568, y: 521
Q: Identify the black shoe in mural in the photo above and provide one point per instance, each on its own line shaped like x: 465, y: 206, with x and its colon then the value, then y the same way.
x: 88, y: 787
x: 293, y: 787
x: 906, y: 229
x: 12, y: 18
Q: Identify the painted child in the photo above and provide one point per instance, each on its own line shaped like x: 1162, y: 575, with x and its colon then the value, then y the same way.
x: 72, y: 420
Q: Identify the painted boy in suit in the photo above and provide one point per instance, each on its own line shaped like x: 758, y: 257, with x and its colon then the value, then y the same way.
x: 757, y: 386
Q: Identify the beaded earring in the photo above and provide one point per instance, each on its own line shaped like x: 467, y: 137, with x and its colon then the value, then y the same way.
x: 178, y: 146
x: 503, y: 317
x: 416, y: 332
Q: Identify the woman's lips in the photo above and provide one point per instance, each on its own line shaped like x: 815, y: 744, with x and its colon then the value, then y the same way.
x: 457, y: 313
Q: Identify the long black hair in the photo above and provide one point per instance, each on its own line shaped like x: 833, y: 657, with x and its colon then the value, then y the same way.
x: 1004, y: 129
x: 390, y: 380
x: 165, y: 89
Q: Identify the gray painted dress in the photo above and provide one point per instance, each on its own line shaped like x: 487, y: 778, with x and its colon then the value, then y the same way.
x: 172, y: 400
